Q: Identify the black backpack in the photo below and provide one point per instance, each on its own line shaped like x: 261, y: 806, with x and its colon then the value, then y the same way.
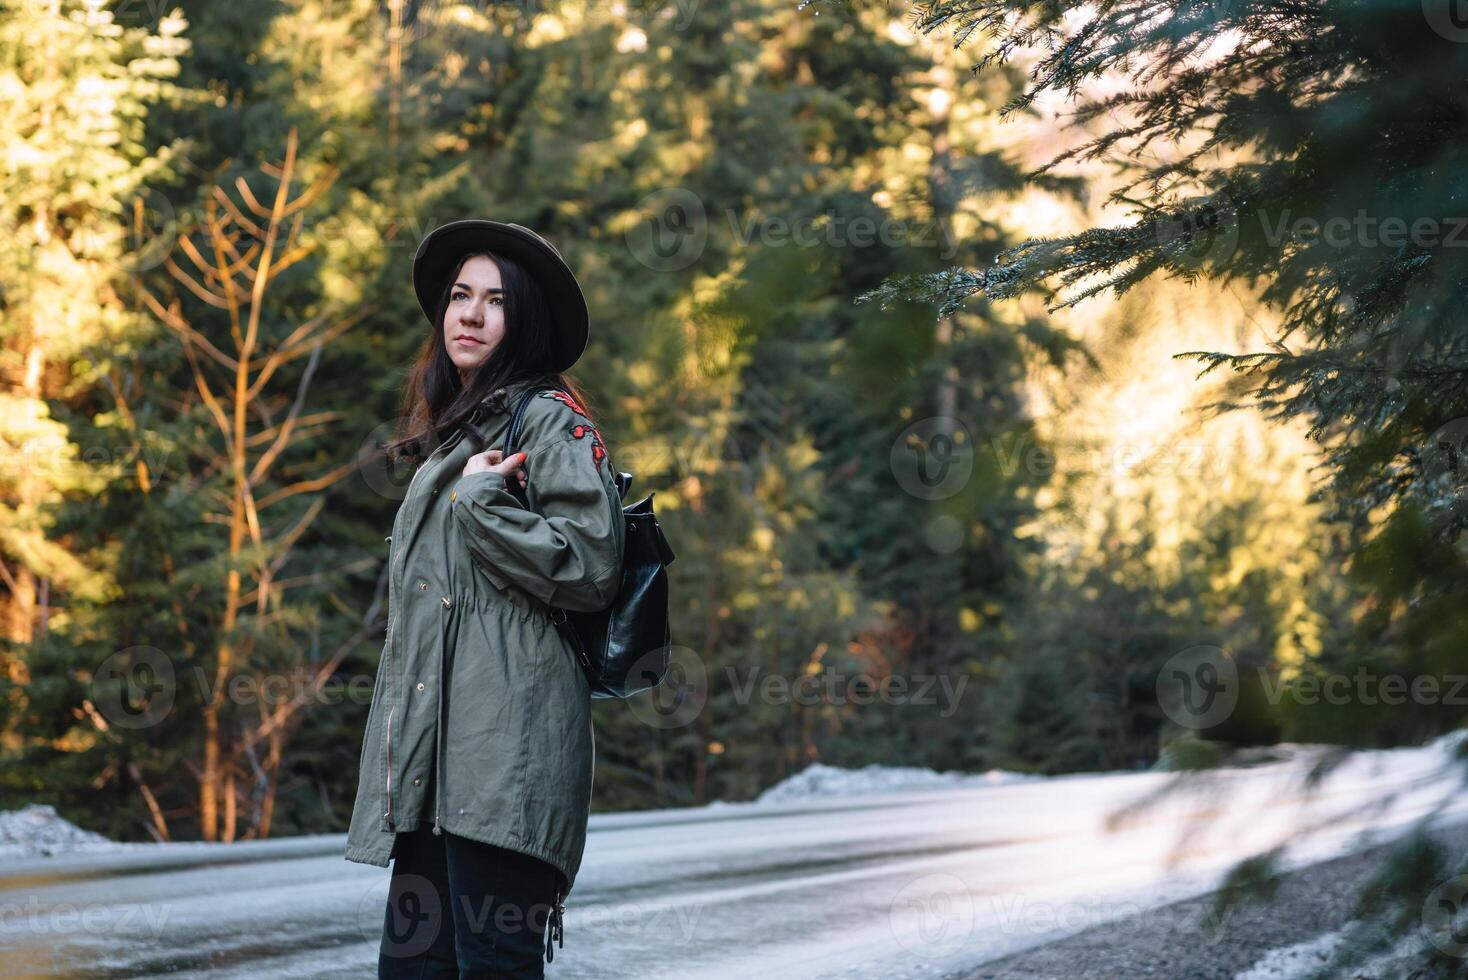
x: 624, y: 649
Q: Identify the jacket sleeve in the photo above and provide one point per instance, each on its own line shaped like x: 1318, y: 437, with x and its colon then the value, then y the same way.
x: 567, y: 549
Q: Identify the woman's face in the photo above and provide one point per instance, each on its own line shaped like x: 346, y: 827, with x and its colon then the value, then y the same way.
x: 474, y: 322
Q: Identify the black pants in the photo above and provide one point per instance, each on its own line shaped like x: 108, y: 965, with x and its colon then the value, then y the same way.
x: 458, y: 909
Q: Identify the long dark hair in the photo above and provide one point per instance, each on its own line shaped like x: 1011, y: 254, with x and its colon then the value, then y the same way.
x: 435, y: 400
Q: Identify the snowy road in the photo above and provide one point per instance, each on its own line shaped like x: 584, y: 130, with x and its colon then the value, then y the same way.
x: 925, y: 884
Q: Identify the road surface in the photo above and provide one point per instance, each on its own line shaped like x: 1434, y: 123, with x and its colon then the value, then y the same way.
x: 919, y: 885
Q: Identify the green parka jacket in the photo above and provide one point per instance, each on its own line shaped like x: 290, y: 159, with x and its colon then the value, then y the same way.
x: 475, y: 681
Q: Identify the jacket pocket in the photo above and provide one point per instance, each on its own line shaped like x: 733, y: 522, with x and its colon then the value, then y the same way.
x: 372, y: 713
x: 524, y: 605
x: 521, y: 599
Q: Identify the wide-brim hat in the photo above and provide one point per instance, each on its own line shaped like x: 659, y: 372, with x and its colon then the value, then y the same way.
x: 441, y: 249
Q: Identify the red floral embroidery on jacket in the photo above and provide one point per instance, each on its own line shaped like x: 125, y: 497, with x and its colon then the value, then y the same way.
x: 581, y: 429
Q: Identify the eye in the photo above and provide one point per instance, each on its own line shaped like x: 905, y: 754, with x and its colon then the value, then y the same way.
x: 459, y: 294
x: 497, y: 300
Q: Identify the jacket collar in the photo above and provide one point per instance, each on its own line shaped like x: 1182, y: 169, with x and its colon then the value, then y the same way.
x: 497, y: 401
x: 501, y: 401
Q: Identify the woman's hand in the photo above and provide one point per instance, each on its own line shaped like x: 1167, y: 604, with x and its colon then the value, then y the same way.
x: 494, y: 461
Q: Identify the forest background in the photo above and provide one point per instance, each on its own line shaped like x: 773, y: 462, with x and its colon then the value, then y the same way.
x: 1002, y: 533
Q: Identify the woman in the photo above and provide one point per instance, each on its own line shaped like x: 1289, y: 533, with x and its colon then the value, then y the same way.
x: 476, y: 764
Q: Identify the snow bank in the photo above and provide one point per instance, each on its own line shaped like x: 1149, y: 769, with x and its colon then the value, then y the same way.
x: 1294, y: 962
x: 1307, y: 960
x: 37, y: 830
x: 1452, y: 744
x: 819, y: 780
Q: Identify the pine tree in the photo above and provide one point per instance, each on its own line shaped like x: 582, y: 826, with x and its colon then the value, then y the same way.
x: 1303, y: 148
x: 1305, y: 152
x: 1309, y: 152
x: 76, y: 88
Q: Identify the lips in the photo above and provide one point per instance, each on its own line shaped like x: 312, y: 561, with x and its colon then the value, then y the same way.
x: 468, y: 341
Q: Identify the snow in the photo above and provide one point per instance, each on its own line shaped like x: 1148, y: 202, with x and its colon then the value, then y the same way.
x: 819, y: 780
x: 1306, y: 960
x: 1452, y: 744
x: 922, y: 884
x: 1294, y: 962
x: 37, y: 830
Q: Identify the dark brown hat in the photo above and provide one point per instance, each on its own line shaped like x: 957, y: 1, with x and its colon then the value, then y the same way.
x: 441, y: 249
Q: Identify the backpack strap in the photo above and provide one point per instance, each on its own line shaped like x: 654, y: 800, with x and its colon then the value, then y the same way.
x: 517, y: 422
x: 558, y: 615
x: 512, y: 439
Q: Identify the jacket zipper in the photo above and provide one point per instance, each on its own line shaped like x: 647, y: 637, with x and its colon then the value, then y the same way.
x: 391, y: 708
x: 448, y: 605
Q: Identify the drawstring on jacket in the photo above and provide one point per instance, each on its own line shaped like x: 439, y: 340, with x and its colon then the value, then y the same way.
x: 555, y: 928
